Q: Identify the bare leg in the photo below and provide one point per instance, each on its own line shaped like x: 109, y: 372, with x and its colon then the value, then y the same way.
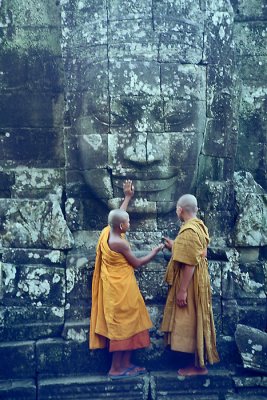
x: 116, y: 364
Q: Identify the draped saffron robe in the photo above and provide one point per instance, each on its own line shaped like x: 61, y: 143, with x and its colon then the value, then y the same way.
x: 118, y: 310
x: 191, y: 328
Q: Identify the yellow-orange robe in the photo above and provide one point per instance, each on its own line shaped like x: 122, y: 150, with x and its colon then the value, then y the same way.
x: 118, y: 310
x: 190, y: 329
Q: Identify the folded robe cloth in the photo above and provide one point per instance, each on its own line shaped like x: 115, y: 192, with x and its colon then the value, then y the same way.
x: 118, y: 309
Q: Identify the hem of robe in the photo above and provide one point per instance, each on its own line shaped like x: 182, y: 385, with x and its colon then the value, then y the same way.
x: 180, y: 343
x: 138, y: 341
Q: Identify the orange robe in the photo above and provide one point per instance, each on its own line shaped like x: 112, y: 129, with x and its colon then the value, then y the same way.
x: 190, y: 329
x: 118, y: 310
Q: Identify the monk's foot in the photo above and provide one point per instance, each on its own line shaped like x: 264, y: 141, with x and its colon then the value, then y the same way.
x: 125, y: 373
x: 137, y: 368
x: 192, y: 371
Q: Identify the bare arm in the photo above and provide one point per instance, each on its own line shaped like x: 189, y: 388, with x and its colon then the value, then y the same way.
x: 128, y: 190
x: 188, y: 272
x: 124, y: 248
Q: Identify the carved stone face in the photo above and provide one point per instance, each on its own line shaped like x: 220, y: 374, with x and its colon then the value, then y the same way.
x: 138, y: 101
x: 154, y: 136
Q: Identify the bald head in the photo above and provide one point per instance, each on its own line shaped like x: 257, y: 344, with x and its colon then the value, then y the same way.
x: 116, y: 217
x: 188, y: 203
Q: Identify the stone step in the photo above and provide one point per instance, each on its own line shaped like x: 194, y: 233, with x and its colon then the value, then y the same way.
x: 157, y: 385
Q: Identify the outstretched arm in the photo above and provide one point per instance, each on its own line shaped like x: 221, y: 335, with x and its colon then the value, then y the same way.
x: 128, y: 190
x: 124, y: 248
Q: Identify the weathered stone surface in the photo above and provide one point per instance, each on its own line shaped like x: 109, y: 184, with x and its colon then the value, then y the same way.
x: 38, y: 147
x: 250, y: 227
x: 169, y: 385
x: 20, y: 359
x: 93, y: 387
x: 18, y: 389
x: 36, y: 285
x: 37, y: 183
x: 31, y: 322
x: 33, y: 256
x: 27, y: 223
x: 59, y: 357
x: 240, y: 312
x: 252, y: 345
x: 243, y: 280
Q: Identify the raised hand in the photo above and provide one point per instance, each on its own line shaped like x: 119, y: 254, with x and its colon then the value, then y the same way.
x: 128, y: 188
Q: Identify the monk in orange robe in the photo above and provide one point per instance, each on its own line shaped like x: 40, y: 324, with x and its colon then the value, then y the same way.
x: 188, y: 319
x: 119, y: 318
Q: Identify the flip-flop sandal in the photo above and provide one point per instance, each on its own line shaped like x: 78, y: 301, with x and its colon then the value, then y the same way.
x: 140, y: 370
x: 125, y: 374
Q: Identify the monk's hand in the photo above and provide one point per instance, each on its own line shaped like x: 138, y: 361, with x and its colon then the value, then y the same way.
x: 181, y: 298
x: 128, y: 188
x: 168, y: 243
x: 158, y: 248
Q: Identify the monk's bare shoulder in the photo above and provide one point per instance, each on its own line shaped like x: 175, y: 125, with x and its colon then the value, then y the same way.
x: 119, y: 245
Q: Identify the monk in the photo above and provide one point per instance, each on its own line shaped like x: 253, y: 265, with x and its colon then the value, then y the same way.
x: 119, y: 318
x: 188, y: 319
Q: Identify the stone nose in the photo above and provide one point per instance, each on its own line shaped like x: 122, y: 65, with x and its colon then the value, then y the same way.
x: 143, y: 151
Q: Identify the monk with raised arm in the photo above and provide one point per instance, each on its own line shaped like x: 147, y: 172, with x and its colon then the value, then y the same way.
x: 119, y: 318
x: 188, y: 319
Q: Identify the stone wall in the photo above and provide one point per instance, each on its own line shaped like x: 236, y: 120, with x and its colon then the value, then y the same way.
x: 169, y: 93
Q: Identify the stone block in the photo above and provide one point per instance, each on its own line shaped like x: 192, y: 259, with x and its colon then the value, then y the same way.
x: 37, y: 183
x: 94, y: 387
x: 214, y: 169
x: 220, y: 225
x: 250, y: 38
x: 77, y: 331
x: 33, y: 256
x: 252, y: 345
x: 31, y: 147
x: 83, y: 74
x: 256, y: 10
x: 218, y: 38
x: 219, y: 139
x: 182, y: 44
x: 133, y: 114
x: 20, y: 359
x: 18, y: 389
x: 88, y: 114
x: 79, y: 275
x: 249, y: 230
x: 184, y: 115
x: 151, y: 282
x: 120, y: 10
x: 81, y: 28
x: 168, y: 14
x: 30, y: 323
x: 243, y: 312
x: 167, y: 384
x: 134, y: 79
x: 243, y: 281
x: 216, y: 195
x: 34, y: 224
x: 36, y: 285
x: 87, y: 151
x: 183, y: 81
x: 135, y: 41
x: 228, y: 351
x: 76, y: 186
x: 7, y: 179
x: 59, y: 357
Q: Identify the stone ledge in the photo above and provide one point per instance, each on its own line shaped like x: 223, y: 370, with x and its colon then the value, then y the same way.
x: 18, y: 389
x: 94, y: 387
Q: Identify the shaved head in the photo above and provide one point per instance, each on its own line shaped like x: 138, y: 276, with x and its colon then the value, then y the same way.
x: 188, y: 202
x: 116, y: 217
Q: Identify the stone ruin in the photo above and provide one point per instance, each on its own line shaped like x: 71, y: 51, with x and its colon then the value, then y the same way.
x: 169, y: 93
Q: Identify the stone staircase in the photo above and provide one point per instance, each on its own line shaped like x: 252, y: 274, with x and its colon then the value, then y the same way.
x: 156, y: 385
